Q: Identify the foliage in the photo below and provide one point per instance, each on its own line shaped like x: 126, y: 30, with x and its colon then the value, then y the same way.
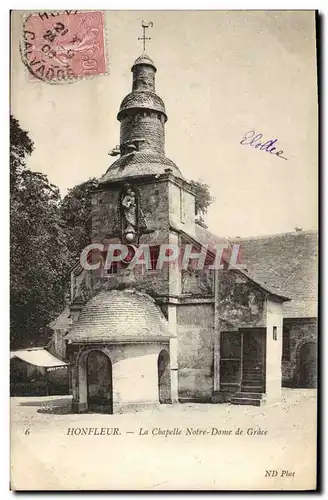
x: 38, y: 257
x: 20, y: 146
x: 203, y: 200
x: 76, y: 214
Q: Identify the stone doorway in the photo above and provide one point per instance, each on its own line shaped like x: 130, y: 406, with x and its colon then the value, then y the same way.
x: 308, y: 365
x: 164, y: 377
x: 99, y: 382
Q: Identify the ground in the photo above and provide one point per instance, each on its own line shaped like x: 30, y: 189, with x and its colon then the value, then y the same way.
x: 204, y: 451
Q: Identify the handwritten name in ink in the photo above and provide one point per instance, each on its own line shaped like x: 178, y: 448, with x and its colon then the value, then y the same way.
x: 254, y: 140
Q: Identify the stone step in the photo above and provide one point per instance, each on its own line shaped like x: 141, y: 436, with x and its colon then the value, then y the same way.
x: 251, y: 388
x: 246, y: 401
x: 250, y: 395
x: 254, y: 383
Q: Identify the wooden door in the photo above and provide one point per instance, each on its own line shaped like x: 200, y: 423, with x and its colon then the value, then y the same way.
x: 253, y: 360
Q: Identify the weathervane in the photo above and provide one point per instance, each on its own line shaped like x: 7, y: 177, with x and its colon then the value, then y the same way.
x: 144, y: 38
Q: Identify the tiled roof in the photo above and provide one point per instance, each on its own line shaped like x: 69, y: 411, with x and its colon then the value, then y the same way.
x: 269, y: 289
x: 203, y: 236
x: 62, y: 321
x: 138, y: 164
x: 206, y: 237
x: 287, y: 262
x: 119, y: 315
x: 142, y: 99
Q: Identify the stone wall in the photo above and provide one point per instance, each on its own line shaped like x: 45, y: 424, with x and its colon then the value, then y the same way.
x: 135, y: 380
x: 274, y: 319
x: 104, y: 212
x: 57, y: 344
x: 301, y: 331
x: 182, y: 208
x: 158, y: 201
x: 147, y: 125
x: 195, y: 351
x: 153, y: 202
x: 106, y: 226
x: 242, y: 304
x: 143, y: 78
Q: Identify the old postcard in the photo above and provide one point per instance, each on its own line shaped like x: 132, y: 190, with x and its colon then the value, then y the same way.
x: 163, y: 202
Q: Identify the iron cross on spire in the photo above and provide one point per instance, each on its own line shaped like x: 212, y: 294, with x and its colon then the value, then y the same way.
x: 144, y: 38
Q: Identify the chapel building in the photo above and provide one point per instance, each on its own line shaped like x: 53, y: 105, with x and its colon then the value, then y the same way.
x: 149, y: 336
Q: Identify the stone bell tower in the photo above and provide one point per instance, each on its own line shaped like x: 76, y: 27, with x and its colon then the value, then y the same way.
x: 142, y: 199
x: 142, y: 117
x: 143, y: 196
x: 142, y: 112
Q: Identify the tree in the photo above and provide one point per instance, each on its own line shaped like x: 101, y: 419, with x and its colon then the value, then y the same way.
x: 20, y: 147
x: 203, y: 200
x: 76, y: 214
x: 38, y: 257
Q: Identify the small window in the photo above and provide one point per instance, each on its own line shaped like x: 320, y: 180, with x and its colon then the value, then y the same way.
x: 182, y: 206
x: 286, y: 344
x: 154, y: 253
x: 113, y: 269
x: 114, y: 265
x: 274, y: 333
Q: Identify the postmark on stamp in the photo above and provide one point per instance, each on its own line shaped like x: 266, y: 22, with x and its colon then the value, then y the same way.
x: 65, y: 46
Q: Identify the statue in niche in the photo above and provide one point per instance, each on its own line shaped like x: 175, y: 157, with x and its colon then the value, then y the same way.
x: 133, y: 221
x: 129, y: 205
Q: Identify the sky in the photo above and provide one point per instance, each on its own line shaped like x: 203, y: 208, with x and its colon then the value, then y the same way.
x: 220, y: 74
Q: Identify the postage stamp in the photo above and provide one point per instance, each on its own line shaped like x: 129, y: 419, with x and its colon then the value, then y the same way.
x: 62, y: 47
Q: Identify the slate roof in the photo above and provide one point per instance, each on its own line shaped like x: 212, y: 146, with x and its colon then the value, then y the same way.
x: 203, y: 236
x: 139, y: 163
x: 287, y: 262
x: 63, y: 320
x: 119, y: 315
x: 144, y: 59
x: 142, y: 99
x: 267, y: 288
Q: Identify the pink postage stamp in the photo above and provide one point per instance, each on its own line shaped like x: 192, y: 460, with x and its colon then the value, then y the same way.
x: 61, y: 47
